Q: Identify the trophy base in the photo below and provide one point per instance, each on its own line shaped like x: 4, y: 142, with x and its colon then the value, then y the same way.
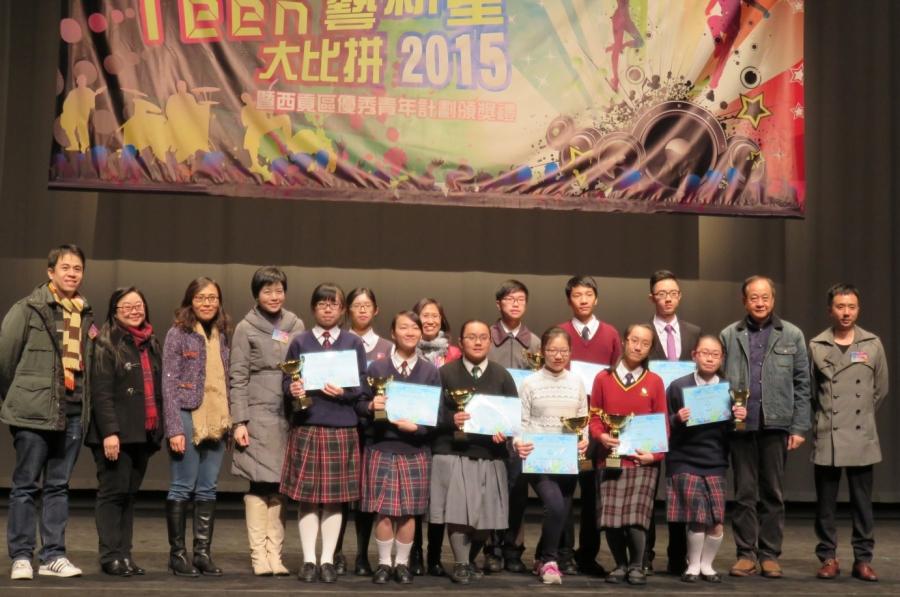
x: 613, y: 462
x: 302, y: 403
x: 459, y: 436
x: 585, y: 465
x: 380, y: 416
x: 740, y: 426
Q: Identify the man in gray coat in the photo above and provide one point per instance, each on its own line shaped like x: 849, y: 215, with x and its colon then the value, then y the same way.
x: 766, y: 356
x: 849, y: 383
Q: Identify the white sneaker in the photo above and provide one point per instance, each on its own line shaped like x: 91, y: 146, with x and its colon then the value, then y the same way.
x: 21, y: 570
x: 61, y: 567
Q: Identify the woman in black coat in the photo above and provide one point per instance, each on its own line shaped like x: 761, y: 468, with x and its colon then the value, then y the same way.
x: 126, y: 423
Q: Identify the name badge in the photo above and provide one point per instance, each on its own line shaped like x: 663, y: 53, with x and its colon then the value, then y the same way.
x: 93, y: 332
x: 859, y: 357
x: 281, y: 336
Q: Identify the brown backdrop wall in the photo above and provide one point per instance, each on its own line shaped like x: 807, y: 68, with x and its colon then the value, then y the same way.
x: 160, y: 242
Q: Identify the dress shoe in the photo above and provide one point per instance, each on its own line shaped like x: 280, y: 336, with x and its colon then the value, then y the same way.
x: 830, y: 569
x: 382, y: 574
x: 636, y: 577
x: 493, y: 564
x: 416, y: 562
x: 591, y: 567
x: 743, y: 567
x: 308, y: 572
x: 362, y: 567
x: 475, y: 572
x: 568, y: 567
x: 863, y: 571
x: 436, y: 569
x: 115, y: 568
x: 340, y: 564
x: 689, y: 577
x: 327, y: 573
x: 616, y: 576
x: 771, y: 569
x: 512, y: 559
x: 461, y: 574
x: 402, y: 574
x: 713, y: 578
x: 135, y: 569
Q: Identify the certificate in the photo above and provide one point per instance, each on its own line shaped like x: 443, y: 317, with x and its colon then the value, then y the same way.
x: 553, y: 454
x: 587, y: 372
x: 416, y: 403
x: 493, y: 414
x: 708, y: 404
x: 669, y: 371
x: 519, y: 376
x: 335, y: 367
x: 644, y: 432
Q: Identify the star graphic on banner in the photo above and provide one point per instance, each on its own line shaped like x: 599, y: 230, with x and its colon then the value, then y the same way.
x: 755, y: 158
x: 797, y: 111
x: 797, y: 74
x: 753, y: 109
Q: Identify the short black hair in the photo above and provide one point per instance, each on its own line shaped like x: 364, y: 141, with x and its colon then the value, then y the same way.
x: 468, y: 322
x: 267, y: 275
x: 712, y: 337
x: 67, y: 249
x: 359, y: 291
x: 580, y: 280
x: 756, y: 278
x: 660, y: 275
x: 411, y: 315
x: 555, y: 332
x: 842, y: 288
x: 326, y: 291
x: 509, y: 287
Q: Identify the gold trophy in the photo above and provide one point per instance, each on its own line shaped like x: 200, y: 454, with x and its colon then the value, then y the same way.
x: 294, y: 368
x: 379, y: 384
x: 615, y: 423
x: 576, y: 425
x: 461, y: 398
x: 535, y: 360
x: 740, y: 398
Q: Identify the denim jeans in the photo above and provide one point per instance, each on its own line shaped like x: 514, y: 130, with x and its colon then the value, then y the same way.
x: 51, y: 454
x: 195, y: 474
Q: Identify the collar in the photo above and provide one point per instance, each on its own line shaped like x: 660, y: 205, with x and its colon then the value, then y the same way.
x: 335, y: 333
x: 397, y: 360
x: 747, y: 323
x: 469, y: 364
x: 592, y: 325
x: 499, y: 334
x: 370, y: 339
x: 622, y: 371
x: 660, y: 324
x: 700, y: 381
x: 859, y: 335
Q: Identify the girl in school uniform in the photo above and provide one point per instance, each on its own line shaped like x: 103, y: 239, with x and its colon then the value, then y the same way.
x: 547, y: 396
x: 625, y: 504
x: 363, y: 309
x: 397, y: 459
x: 321, y: 468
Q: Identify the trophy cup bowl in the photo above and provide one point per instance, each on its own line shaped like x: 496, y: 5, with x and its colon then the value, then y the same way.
x: 576, y: 425
x: 379, y: 384
x: 461, y: 398
x: 740, y: 398
x: 294, y: 368
x: 535, y: 360
x: 615, y: 423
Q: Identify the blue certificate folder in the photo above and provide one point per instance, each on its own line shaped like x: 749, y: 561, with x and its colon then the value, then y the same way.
x: 337, y: 367
x: 416, y: 403
x: 493, y: 414
x: 519, y: 376
x: 708, y: 404
x: 586, y: 372
x: 644, y: 432
x: 553, y: 454
x: 669, y: 371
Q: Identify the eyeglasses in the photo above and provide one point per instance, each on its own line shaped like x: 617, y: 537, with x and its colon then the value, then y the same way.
x: 206, y: 299
x: 362, y: 307
x: 663, y: 294
x: 478, y: 338
x: 557, y: 352
x: 514, y: 300
x: 710, y: 354
x: 328, y: 305
x: 639, y: 343
x: 127, y: 308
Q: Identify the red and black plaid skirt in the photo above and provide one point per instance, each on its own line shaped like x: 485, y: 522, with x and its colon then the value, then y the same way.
x: 625, y: 496
x: 395, y: 484
x: 321, y: 465
x: 695, y: 498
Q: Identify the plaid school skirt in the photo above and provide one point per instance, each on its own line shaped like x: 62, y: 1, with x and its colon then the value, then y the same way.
x: 625, y: 496
x: 395, y: 484
x: 321, y: 465
x: 695, y: 498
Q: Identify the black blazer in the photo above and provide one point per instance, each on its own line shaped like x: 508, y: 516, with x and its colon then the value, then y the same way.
x: 690, y: 333
x: 117, y: 392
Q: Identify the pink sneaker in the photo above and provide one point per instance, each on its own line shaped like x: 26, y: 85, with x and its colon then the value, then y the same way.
x: 550, y: 574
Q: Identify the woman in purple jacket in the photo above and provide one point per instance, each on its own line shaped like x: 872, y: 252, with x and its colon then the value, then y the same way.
x: 195, y: 401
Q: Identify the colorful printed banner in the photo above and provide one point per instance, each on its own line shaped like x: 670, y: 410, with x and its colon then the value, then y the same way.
x: 605, y: 105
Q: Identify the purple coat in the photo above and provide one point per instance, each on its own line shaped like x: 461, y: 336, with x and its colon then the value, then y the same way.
x: 184, y: 374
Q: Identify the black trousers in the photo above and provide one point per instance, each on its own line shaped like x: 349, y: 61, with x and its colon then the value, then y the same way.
x: 588, y: 532
x: 118, y: 482
x: 555, y: 492
x: 757, y: 459
x: 859, y: 482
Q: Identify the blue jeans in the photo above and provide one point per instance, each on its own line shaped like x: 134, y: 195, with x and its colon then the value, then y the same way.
x: 51, y: 454
x: 195, y: 474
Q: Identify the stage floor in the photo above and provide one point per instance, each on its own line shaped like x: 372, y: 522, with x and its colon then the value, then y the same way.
x: 230, y: 553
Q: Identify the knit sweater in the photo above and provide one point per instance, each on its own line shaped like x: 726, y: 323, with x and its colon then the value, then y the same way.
x: 604, y: 347
x: 699, y: 449
x: 547, y: 396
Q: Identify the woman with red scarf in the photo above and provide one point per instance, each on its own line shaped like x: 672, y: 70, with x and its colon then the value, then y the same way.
x: 126, y: 423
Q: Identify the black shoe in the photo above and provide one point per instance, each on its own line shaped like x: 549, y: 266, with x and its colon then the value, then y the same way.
x: 327, y: 573
x: 402, y: 574
x: 308, y: 572
x: 436, y: 569
x: 688, y: 577
x: 636, y: 577
x: 416, y: 567
x: 513, y: 563
x: 493, y: 564
x: 134, y: 568
x: 713, y: 578
x: 647, y: 569
x: 382, y: 574
x: 115, y: 568
x: 204, y: 523
x: 568, y: 567
x: 461, y: 574
x: 591, y: 568
x: 362, y: 567
x: 340, y: 564
x: 616, y: 576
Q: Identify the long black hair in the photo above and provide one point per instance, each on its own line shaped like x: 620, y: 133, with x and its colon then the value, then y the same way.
x: 104, y: 338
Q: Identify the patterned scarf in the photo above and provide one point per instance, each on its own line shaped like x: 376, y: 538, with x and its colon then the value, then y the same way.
x: 211, y: 418
x: 71, y: 335
x: 434, y: 350
x: 141, y: 337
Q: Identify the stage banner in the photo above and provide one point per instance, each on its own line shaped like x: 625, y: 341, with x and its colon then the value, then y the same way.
x: 602, y: 105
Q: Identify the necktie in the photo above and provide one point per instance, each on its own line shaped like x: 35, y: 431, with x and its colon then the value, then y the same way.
x: 585, y: 333
x: 404, y: 369
x: 670, y: 343
x: 476, y: 372
x: 326, y: 342
x: 629, y: 379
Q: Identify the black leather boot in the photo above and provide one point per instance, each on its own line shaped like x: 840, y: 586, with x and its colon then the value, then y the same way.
x: 204, y: 521
x: 176, y: 518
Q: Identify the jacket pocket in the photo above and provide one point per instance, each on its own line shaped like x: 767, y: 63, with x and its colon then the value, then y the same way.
x: 30, y: 398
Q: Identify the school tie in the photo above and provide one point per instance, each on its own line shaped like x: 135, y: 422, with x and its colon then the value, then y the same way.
x: 585, y: 333
x: 326, y: 342
x: 629, y: 379
x: 476, y: 372
x: 404, y: 369
x: 670, y: 343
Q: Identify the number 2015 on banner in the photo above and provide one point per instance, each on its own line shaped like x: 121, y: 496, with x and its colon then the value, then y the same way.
x: 470, y: 59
